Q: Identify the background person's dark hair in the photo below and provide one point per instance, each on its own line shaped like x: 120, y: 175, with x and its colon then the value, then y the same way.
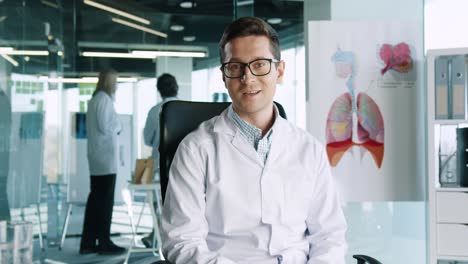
x: 250, y: 26
x: 167, y: 85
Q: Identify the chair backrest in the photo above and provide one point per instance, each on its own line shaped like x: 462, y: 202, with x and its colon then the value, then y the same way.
x: 179, y: 118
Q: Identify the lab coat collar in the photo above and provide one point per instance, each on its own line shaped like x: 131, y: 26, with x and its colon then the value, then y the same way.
x: 279, y: 137
x: 224, y: 125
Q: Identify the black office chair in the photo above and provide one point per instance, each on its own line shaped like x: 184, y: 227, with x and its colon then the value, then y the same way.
x: 179, y: 118
x: 363, y: 259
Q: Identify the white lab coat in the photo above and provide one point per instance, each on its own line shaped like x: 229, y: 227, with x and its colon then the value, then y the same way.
x: 225, y: 205
x: 102, y: 127
x: 151, y: 131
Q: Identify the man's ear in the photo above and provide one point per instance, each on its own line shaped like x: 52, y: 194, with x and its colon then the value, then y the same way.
x: 280, y: 72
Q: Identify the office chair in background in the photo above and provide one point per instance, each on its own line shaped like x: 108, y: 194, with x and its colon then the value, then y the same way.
x: 179, y: 118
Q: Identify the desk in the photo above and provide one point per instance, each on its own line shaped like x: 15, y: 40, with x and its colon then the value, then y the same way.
x: 152, y: 191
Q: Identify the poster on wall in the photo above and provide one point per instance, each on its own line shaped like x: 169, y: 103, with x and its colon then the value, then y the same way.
x: 364, y: 106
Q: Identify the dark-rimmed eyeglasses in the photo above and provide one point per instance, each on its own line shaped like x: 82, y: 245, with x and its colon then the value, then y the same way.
x: 258, y: 67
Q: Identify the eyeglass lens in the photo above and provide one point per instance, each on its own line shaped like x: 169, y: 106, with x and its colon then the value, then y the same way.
x: 257, y: 67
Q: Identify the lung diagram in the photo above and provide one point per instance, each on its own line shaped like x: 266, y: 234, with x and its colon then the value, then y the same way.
x: 354, y: 118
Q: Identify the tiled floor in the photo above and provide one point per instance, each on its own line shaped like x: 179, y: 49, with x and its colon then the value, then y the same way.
x: 69, y: 254
x: 121, y: 236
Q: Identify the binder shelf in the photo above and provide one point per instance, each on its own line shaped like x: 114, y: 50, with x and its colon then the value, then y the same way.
x: 450, y: 88
x: 447, y: 161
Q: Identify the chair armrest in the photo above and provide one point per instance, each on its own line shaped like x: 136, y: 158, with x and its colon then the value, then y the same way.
x: 363, y: 259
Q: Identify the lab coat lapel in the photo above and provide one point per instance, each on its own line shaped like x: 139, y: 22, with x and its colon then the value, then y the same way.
x: 241, y: 144
x: 226, y: 126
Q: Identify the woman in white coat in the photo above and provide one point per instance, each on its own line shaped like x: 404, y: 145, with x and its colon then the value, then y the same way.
x: 103, y: 127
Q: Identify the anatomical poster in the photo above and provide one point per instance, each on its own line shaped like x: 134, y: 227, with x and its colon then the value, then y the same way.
x: 364, y: 105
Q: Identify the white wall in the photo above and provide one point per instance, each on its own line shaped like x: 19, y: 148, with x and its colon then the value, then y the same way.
x: 445, y: 24
x: 359, y: 10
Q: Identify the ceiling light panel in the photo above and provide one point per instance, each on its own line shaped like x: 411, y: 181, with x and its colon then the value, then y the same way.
x: 245, y: 3
x: 142, y: 28
x: 144, y: 54
x: 188, y: 4
x: 83, y: 79
x: 116, y: 55
x: 274, y: 20
x: 49, y: 3
x: 10, y: 59
x: 193, y: 54
x: 189, y: 38
x: 177, y: 27
x: 10, y: 51
x: 116, y: 11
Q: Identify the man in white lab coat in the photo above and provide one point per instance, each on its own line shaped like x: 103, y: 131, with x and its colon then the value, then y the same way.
x: 248, y: 186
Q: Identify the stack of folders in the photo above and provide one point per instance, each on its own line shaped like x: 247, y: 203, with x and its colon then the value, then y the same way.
x: 450, y: 94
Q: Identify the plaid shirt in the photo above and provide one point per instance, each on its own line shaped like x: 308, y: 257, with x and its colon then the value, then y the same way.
x: 252, y: 134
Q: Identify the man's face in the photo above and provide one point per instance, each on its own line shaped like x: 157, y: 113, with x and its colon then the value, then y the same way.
x: 250, y: 94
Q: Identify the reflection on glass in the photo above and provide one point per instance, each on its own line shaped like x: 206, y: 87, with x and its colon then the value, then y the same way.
x: 5, y: 128
x: 220, y: 97
x: 392, y: 232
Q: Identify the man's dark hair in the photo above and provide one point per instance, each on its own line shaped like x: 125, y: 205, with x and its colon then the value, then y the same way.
x: 250, y: 26
x: 167, y: 85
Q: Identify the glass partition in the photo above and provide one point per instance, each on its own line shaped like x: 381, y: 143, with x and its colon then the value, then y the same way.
x: 31, y: 160
x: 47, y: 77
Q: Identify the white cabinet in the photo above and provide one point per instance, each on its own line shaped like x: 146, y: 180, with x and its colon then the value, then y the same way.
x: 452, y: 240
x: 447, y: 111
x: 451, y: 207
